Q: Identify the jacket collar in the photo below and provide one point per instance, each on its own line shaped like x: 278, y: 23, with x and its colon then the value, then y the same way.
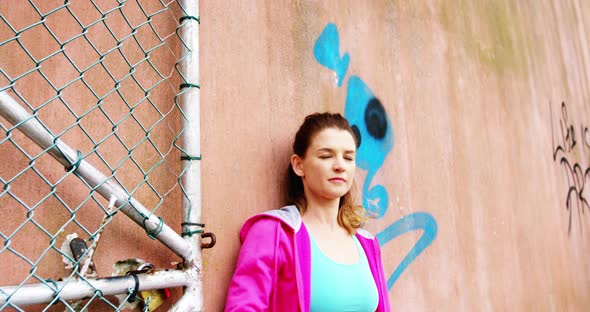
x: 288, y: 214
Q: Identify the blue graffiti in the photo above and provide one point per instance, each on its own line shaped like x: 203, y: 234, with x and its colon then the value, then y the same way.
x: 374, y: 134
x: 415, y: 221
x: 371, y: 125
x: 327, y: 52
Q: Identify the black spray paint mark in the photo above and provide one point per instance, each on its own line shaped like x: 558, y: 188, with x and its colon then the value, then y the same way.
x: 375, y: 119
x: 575, y: 173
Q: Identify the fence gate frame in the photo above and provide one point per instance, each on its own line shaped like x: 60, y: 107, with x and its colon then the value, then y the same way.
x: 187, y: 245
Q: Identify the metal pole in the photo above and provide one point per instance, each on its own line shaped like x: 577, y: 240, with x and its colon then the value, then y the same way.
x: 65, y: 155
x: 192, y: 300
x: 28, y: 294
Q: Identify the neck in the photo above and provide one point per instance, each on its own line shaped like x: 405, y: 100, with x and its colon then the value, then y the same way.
x: 322, y: 212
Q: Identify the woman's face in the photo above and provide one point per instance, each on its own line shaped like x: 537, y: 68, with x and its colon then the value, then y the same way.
x: 328, y: 167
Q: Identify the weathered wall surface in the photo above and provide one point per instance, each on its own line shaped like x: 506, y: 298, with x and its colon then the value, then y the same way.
x: 475, y: 156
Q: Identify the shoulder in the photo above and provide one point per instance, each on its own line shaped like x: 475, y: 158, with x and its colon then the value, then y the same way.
x: 368, y: 241
x: 287, y: 217
x: 365, y: 234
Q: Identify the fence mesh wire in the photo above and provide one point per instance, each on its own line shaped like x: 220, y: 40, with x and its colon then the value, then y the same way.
x: 104, y: 77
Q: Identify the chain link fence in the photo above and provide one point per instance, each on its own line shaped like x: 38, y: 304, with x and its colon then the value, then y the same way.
x: 97, y: 88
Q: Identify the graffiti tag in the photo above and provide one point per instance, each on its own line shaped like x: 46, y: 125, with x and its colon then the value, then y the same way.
x: 571, y: 149
x: 375, y: 139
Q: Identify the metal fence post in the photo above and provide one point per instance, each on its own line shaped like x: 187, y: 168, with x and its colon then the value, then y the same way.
x: 192, y: 299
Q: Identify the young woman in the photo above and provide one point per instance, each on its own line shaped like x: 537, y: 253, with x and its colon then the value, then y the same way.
x: 312, y: 255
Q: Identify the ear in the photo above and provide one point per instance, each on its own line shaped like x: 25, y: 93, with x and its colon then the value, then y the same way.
x: 297, y: 165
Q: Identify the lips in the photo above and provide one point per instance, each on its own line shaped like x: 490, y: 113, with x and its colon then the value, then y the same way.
x: 337, y: 179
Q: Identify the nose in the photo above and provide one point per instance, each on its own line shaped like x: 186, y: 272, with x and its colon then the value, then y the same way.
x: 339, y: 164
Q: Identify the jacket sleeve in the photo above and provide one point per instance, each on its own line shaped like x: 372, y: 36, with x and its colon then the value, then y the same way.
x: 257, y: 268
x: 384, y: 304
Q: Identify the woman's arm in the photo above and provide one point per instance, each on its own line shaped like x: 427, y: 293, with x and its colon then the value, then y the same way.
x: 257, y: 268
x: 384, y: 305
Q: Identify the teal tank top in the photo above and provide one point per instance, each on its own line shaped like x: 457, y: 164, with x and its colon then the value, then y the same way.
x: 341, y: 287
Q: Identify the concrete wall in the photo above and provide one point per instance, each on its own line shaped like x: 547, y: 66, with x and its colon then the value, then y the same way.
x: 476, y: 164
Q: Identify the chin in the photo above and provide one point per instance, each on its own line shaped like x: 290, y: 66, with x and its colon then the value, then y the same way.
x: 335, y: 195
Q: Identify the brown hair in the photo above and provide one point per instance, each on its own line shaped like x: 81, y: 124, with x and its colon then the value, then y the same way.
x: 350, y: 216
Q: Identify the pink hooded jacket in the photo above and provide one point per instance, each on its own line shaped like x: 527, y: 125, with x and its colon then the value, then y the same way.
x: 273, y: 271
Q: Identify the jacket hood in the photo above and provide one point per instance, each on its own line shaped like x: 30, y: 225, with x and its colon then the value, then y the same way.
x: 290, y: 216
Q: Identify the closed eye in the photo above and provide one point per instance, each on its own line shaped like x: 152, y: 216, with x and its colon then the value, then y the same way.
x: 349, y: 155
